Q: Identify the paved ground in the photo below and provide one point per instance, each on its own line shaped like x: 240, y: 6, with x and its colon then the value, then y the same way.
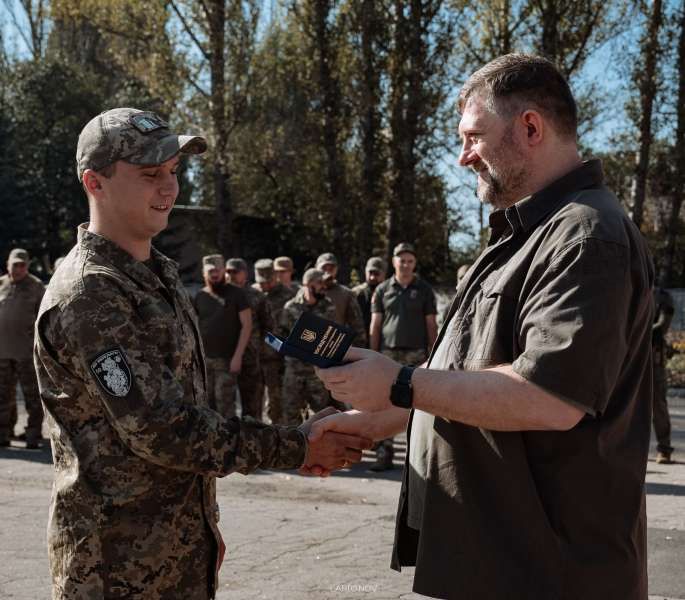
x: 294, y: 537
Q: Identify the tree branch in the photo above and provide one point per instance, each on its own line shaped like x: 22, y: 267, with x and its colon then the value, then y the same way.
x: 189, y: 31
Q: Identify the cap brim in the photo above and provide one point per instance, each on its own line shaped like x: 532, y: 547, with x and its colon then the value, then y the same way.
x: 164, y: 149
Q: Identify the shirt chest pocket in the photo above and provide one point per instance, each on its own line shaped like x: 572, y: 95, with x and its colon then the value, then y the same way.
x: 492, y: 322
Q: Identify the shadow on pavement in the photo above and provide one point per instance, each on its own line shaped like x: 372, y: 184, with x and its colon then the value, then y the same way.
x: 664, y: 489
x: 18, y: 452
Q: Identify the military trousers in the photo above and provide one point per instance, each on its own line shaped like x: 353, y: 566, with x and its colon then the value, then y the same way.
x: 301, y: 389
x: 221, y: 386
x: 22, y: 370
x: 251, y: 386
x: 273, y: 370
x: 660, y: 416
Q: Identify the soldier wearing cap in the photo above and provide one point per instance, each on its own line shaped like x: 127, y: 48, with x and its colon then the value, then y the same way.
x: 272, y: 363
x: 226, y: 326
x: 284, y: 269
x: 250, y: 380
x: 300, y: 386
x: 20, y: 296
x: 375, y: 272
x: 347, y: 310
x: 121, y: 372
x: 403, y: 323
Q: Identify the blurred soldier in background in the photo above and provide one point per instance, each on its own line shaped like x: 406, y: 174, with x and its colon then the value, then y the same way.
x: 403, y: 324
x: 375, y: 272
x: 250, y: 382
x: 347, y: 310
x: 20, y: 297
x: 283, y: 266
x: 225, y: 326
x: 300, y: 384
x: 663, y: 314
x: 272, y: 363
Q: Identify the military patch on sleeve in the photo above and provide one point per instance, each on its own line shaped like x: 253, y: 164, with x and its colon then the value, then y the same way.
x: 112, y: 372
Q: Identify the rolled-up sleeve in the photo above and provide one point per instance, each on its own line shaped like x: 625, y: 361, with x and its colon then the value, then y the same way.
x: 572, y: 325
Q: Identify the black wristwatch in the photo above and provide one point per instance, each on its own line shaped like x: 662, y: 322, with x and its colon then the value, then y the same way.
x: 401, y: 392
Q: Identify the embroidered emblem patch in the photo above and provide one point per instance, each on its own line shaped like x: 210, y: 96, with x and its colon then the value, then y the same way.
x: 112, y: 373
x: 308, y: 335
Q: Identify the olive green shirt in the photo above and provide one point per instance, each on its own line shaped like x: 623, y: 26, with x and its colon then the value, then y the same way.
x: 19, y: 304
x: 404, y: 311
x: 563, y: 294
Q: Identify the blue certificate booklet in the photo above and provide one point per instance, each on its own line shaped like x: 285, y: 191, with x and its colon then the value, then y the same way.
x: 314, y: 340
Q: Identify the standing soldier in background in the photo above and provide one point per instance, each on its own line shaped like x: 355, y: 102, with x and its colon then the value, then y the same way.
x: 283, y: 266
x: 403, y: 324
x: 272, y: 363
x: 663, y: 314
x: 20, y: 296
x: 250, y: 382
x: 225, y: 326
x: 375, y: 272
x: 347, y: 310
x: 300, y: 384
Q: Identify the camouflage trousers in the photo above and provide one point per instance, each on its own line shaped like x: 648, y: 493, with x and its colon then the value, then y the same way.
x: 301, y: 388
x: 660, y: 416
x: 273, y: 371
x: 408, y: 358
x: 251, y: 386
x: 22, y: 370
x: 221, y: 386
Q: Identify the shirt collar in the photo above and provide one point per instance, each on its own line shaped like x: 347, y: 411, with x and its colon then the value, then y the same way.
x: 125, y: 263
x: 410, y: 284
x: 527, y: 213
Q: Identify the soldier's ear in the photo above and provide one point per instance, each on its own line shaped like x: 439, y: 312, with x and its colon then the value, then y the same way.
x: 90, y: 181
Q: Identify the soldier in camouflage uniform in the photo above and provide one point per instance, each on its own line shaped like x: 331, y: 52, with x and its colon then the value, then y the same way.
x: 250, y: 380
x: 347, y: 311
x: 20, y: 296
x: 375, y: 271
x: 301, y: 387
x: 403, y: 324
x: 121, y: 372
x: 226, y: 326
x: 273, y: 364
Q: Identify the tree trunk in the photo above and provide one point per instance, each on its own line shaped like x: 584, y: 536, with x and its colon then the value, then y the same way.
x: 668, y: 273
x: 221, y: 173
x: 647, y: 85
x: 371, y: 24
x: 329, y: 92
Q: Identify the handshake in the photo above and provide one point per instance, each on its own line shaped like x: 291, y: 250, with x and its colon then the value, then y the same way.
x: 329, y: 446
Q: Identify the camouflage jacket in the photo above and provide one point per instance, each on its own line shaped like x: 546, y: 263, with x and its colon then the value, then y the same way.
x: 347, y: 311
x: 276, y: 299
x: 292, y: 311
x: 136, y: 449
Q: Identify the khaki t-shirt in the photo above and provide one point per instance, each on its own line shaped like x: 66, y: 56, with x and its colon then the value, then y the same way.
x: 19, y: 303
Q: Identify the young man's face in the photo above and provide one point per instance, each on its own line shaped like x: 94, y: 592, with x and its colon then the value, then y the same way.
x: 214, y: 276
x: 330, y: 269
x: 236, y: 277
x: 489, y: 147
x: 17, y: 271
x: 284, y: 277
x: 139, y: 199
x: 404, y: 264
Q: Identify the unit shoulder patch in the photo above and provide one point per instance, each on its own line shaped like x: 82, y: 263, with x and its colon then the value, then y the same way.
x: 112, y: 372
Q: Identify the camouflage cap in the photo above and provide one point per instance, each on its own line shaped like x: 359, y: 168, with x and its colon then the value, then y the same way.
x: 312, y: 275
x: 236, y: 264
x: 213, y: 261
x: 135, y: 136
x: 403, y: 247
x: 327, y: 258
x: 263, y: 270
x: 283, y: 263
x: 18, y: 255
x: 376, y: 263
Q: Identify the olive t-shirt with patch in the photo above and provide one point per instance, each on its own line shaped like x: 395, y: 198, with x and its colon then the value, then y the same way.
x: 218, y: 313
